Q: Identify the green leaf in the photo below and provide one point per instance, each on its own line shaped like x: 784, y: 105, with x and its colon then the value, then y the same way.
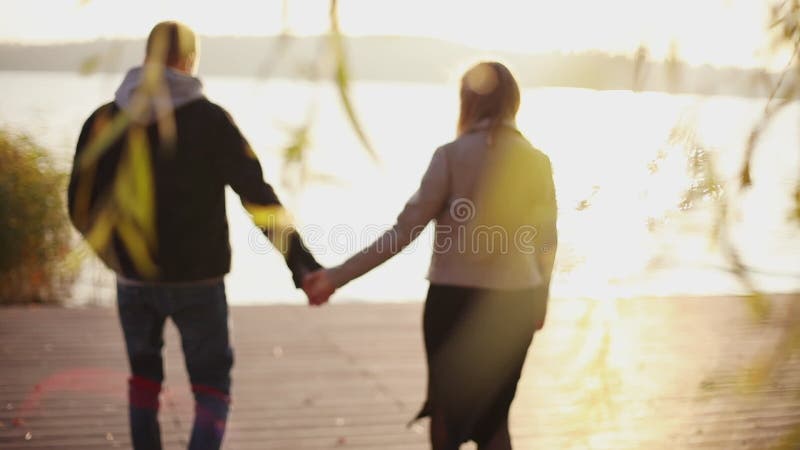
x: 341, y: 77
x: 104, y: 133
x: 141, y: 182
x: 99, y: 236
x: 268, y: 217
x: 275, y: 221
x: 294, y: 151
x: 90, y: 65
x: 136, y: 244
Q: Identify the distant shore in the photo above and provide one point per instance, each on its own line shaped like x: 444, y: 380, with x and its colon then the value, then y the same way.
x: 257, y: 57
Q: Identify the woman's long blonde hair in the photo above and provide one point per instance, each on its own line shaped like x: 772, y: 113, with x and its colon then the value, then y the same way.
x: 489, y: 93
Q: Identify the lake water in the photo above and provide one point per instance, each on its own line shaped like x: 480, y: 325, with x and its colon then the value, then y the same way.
x: 630, y: 238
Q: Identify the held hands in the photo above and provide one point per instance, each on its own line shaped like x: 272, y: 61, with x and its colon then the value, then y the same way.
x: 318, y: 287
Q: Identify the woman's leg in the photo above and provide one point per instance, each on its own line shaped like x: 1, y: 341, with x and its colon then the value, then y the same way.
x: 439, y: 434
x: 501, y: 440
x: 443, y: 307
x: 510, y: 317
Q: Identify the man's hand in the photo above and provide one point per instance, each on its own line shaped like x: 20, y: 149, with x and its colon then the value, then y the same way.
x: 318, y: 287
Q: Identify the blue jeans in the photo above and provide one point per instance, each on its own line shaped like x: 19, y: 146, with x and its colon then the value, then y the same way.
x: 200, y: 312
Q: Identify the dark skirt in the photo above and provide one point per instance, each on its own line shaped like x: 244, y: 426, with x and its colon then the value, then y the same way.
x: 476, y: 341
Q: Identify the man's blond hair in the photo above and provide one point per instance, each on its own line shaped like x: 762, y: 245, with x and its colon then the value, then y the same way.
x: 170, y: 43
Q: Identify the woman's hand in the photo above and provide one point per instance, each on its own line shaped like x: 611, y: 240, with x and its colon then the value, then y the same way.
x: 318, y: 287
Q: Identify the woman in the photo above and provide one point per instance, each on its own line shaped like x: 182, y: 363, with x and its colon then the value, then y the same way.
x: 491, y: 194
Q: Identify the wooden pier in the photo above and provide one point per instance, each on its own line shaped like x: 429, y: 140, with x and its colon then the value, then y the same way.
x: 627, y: 374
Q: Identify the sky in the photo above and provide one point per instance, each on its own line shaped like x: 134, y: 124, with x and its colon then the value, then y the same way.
x: 717, y: 32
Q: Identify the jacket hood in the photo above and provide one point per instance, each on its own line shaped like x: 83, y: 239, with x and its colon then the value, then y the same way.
x: 182, y: 89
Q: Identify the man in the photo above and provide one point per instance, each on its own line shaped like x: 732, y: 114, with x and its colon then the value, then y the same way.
x: 148, y: 193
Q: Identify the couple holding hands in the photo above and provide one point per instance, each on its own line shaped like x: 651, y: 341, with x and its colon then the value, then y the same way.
x: 490, y: 193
